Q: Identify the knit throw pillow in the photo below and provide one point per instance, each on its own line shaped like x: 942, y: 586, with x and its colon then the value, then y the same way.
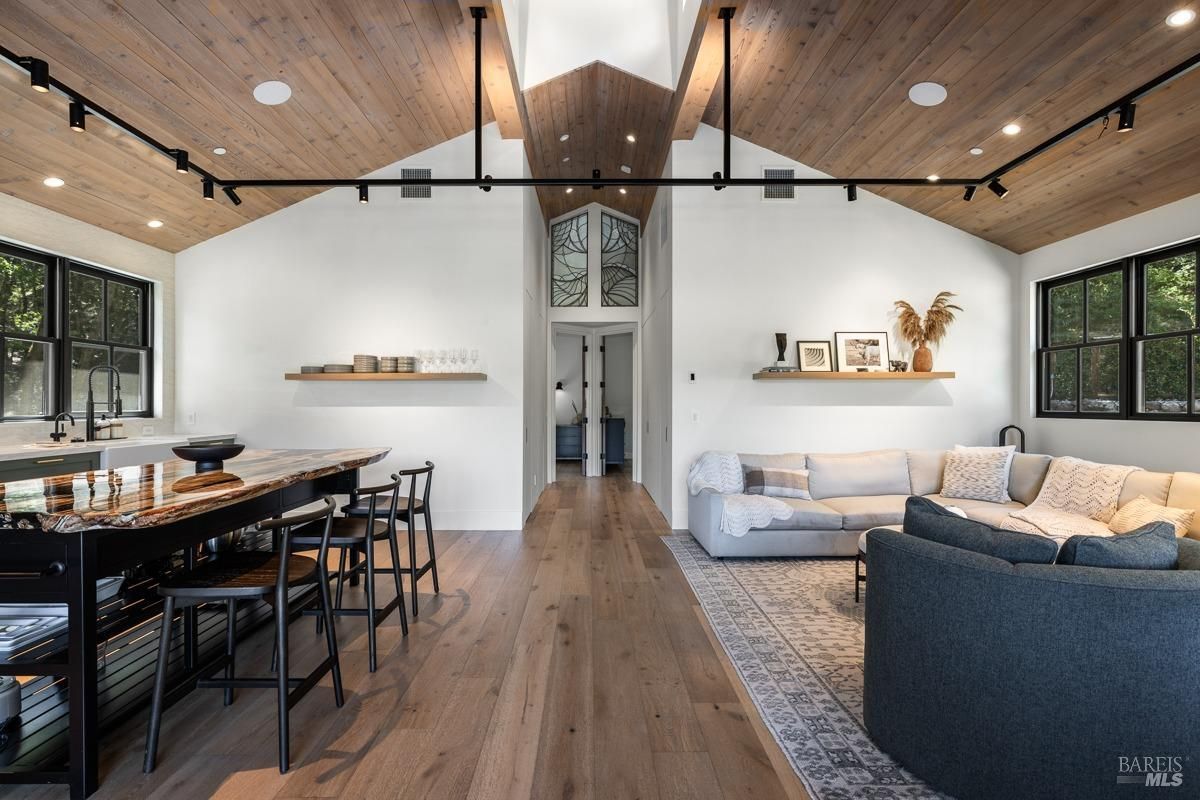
x: 1142, y: 511
x: 977, y: 475
x: 778, y: 482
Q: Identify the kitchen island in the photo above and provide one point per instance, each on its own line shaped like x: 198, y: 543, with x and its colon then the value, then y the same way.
x: 59, y: 535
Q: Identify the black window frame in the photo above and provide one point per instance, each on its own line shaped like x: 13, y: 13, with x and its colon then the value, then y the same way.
x: 60, y: 340
x: 1133, y: 327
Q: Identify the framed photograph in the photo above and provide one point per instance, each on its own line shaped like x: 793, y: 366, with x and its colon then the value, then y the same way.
x: 814, y: 356
x: 862, y: 352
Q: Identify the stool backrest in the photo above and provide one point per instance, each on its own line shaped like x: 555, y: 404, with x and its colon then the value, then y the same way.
x: 427, y: 471
x: 285, y: 526
x: 373, y: 493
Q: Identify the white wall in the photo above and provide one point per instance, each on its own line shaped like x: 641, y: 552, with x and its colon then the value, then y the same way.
x: 618, y: 382
x: 1152, y: 444
x: 557, y: 36
x: 655, y: 343
x: 744, y: 269
x: 568, y: 368
x: 26, y: 224
x: 535, y: 341
x: 327, y: 278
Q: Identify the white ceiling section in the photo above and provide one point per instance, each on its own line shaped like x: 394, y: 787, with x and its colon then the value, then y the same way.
x: 551, y: 37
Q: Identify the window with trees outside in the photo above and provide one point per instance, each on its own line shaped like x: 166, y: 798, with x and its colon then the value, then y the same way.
x: 1120, y: 341
x: 58, y: 320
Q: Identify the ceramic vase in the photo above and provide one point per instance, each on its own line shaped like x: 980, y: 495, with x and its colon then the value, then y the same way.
x: 922, y: 359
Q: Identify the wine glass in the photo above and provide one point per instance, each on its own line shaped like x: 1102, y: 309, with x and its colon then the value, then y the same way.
x: 443, y: 361
x: 474, y: 360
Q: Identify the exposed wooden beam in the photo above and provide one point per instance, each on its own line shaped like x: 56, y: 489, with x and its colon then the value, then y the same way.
x: 698, y: 75
x: 499, y: 69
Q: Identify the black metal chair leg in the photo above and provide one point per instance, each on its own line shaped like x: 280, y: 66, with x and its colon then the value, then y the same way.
x: 395, y: 546
x: 230, y: 646
x: 160, y: 681
x: 412, y: 562
x: 369, y: 580
x: 281, y: 641
x: 330, y: 636
x: 432, y: 552
x: 341, y: 578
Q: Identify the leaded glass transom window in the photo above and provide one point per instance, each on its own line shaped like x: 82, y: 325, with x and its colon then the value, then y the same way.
x: 569, y: 262
x: 619, y: 262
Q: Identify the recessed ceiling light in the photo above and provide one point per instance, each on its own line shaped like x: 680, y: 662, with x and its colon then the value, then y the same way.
x: 272, y: 93
x: 629, y: 137
x: 626, y: 169
x: 1181, y: 17
x: 563, y: 137
x: 566, y: 159
x: 570, y: 189
x: 976, y: 151
x: 53, y: 183
x: 219, y: 151
x: 155, y: 223
x: 933, y: 178
x: 623, y: 190
x: 927, y: 94
x: 1011, y: 129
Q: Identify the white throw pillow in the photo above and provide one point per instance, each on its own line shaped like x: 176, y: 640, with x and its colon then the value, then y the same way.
x: 1142, y: 511
x: 977, y: 475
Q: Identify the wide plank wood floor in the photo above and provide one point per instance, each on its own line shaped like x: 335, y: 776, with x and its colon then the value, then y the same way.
x: 567, y: 660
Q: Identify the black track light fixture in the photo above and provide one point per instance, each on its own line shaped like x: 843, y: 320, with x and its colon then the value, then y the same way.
x: 997, y: 188
x: 181, y: 161
x: 232, y: 195
x: 363, y: 194
x: 39, y: 74
x: 1125, y: 120
x: 851, y: 192
x: 207, y: 186
x: 968, y: 193
x: 77, y: 114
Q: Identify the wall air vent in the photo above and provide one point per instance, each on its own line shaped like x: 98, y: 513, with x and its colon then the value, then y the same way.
x: 416, y: 192
x: 778, y: 192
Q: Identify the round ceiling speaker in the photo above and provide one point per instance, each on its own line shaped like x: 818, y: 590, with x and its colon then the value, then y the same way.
x: 927, y: 94
x: 272, y: 93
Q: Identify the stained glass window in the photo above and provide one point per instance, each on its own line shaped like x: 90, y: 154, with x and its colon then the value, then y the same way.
x: 618, y: 261
x: 569, y: 262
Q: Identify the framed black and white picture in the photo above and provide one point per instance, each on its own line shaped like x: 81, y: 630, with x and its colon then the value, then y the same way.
x: 862, y: 351
x: 814, y: 357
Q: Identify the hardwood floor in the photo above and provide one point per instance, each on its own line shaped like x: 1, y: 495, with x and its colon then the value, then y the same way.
x: 568, y: 660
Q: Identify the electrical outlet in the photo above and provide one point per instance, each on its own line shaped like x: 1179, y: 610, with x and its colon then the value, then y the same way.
x: 147, y: 430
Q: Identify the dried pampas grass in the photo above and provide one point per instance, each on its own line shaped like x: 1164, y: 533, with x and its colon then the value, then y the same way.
x: 933, y: 328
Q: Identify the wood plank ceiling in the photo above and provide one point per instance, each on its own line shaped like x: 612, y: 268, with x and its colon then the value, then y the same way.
x: 826, y: 83
x: 373, y: 81
x: 822, y: 82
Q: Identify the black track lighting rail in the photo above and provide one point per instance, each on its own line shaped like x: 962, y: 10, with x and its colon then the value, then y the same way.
x: 81, y: 106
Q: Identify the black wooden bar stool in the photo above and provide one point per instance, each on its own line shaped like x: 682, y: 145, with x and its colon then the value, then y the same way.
x: 358, y: 534
x: 255, y: 575
x: 407, y: 509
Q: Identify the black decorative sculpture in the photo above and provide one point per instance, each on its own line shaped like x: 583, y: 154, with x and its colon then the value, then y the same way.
x: 781, y: 343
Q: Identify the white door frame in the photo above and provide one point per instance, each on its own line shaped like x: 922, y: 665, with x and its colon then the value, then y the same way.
x: 593, y: 334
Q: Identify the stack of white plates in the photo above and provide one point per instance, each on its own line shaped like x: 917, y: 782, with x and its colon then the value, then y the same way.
x: 366, y: 364
x: 387, y: 364
x: 338, y: 368
x: 311, y: 370
x: 406, y: 363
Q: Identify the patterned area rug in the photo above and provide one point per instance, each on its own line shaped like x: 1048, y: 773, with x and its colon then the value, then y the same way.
x: 795, y: 635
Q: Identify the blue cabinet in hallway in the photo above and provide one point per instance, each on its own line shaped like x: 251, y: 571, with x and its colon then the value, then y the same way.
x: 568, y: 443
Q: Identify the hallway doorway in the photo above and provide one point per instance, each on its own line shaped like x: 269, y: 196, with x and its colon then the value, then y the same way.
x: 595, y: 400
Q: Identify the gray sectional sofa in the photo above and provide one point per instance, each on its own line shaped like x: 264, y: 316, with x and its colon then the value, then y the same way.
x: 853, y: 492
x: 995, y: 681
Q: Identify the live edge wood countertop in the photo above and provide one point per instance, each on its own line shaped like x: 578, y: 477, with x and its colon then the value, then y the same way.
x: 157, y: 494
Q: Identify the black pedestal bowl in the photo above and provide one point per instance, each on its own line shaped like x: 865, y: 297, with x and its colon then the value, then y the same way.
x: 208, y: 457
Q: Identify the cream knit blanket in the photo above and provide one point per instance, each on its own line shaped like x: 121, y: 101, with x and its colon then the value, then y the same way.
x: 1078, y: 498
x: 722, y: 473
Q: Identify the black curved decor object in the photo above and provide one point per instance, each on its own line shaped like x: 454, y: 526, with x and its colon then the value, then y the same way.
x: 208, y: 457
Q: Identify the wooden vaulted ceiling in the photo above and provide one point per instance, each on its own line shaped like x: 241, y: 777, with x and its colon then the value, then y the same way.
x: 822, y: 82
x: 826, y: 83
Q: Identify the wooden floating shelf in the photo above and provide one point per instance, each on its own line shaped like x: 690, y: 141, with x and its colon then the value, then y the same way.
x: 385, y: 376
x: 853, y: 376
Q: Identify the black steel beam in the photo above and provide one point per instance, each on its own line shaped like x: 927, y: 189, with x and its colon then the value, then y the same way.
x: 726, y: 15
